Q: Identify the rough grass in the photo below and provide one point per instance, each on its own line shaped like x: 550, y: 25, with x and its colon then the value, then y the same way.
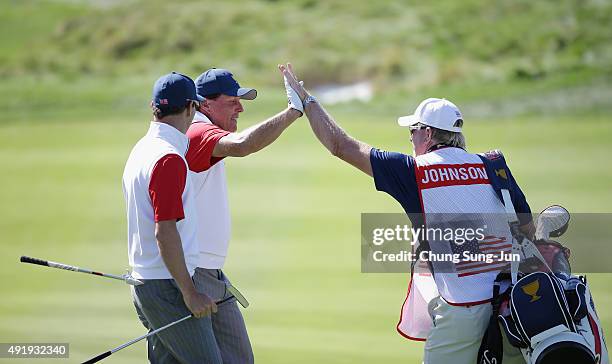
x: 75, y: 58
x: 404, y: 44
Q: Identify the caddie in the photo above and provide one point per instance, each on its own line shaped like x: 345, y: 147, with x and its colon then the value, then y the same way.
x: 214, y: 135
x: 448, y: 309
x: 162, y: 229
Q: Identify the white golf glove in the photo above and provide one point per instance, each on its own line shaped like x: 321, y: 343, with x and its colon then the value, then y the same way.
x: 294, y: 100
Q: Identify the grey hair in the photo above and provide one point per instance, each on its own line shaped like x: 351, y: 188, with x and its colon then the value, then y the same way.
x: 452, y: 139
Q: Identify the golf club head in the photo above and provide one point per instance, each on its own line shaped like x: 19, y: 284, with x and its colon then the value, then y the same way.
x: 552, y: 222
x: 239, y: 297
x: 132, y: 281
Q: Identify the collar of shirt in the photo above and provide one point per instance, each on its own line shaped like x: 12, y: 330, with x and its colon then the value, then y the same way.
x: 170, y: 134
x: 440, y: 146
x: 201, y: 118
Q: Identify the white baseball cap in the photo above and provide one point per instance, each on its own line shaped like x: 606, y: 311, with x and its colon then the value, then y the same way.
x: 437, y: 113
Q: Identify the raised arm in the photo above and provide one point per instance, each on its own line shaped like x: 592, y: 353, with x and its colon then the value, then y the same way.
x: 256, y: 137
x: 329, y: 133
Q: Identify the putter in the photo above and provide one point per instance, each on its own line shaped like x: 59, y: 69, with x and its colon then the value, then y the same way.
x: 239, y: 297
x: 112, y: 351
x: 126, y: 278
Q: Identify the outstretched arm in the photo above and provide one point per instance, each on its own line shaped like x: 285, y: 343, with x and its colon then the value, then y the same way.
x: 330, y: 134
x: 336, y: 140
x: 256, y: 137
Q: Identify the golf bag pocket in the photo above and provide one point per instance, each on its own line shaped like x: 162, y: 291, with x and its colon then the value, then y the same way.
x: 576, y: 295
x: 514, y: 336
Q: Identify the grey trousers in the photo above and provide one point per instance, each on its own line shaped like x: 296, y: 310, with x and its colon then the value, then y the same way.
x: 221, y: 338
x: 227, y: 324
x: 159, y: 302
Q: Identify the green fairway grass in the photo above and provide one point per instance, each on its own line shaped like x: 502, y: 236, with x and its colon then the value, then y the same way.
x: 295, y: 250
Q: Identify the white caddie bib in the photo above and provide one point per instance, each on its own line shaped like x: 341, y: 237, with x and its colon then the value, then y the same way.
x: 454, y: 186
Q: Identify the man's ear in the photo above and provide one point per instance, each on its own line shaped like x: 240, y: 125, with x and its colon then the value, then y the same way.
x: 204, y: 106
x: 429, y: 132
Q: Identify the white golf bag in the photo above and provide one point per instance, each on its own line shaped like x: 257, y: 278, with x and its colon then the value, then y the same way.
x: 552, y: 319
x: 546, y: 312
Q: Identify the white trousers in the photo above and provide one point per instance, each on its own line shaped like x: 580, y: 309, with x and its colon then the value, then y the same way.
x: 457, y: 332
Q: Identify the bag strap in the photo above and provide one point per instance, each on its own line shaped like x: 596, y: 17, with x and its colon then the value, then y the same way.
x: 497, y: 171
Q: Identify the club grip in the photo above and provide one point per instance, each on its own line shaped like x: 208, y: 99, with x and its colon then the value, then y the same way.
x: 98, y: 358
x: 30, y: 260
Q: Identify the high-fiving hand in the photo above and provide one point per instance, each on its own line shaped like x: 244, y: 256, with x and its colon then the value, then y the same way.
x: 293, y: 98
x: 295, y: 89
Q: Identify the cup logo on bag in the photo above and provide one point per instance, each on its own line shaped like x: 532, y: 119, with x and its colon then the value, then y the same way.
x: 531, y: 289
x: 501, y: 173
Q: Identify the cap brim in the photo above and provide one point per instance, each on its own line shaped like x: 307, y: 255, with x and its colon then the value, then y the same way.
x: 242, y: 92
x: 199, y: 98
x: 409, y: 120
x: 246, y: 93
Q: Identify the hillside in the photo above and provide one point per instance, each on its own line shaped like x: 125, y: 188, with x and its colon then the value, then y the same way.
x: 473, y: 48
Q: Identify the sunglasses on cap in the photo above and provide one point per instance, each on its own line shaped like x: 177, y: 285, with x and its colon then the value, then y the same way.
x: 416, y: 127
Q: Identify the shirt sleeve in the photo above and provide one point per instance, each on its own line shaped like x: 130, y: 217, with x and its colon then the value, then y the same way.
x: 394, y: 173
x: 166, y: 188
x: 519, y: 201
x: 203, y: 138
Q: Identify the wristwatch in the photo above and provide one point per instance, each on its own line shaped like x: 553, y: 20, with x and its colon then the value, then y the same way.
x: 308, y: 100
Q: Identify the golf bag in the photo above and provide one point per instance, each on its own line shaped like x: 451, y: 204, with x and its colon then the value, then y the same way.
x: 550, y: 317
x: 544, y: 311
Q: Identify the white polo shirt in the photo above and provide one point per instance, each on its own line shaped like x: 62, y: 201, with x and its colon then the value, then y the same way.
x: 161, y: 141
x: 210, y: 186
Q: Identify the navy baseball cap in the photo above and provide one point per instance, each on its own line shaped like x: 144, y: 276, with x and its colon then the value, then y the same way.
x: 220, y: 81
x: 174, y: 90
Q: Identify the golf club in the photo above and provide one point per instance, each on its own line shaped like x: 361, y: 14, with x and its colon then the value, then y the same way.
x: 112, y: 351
x: 234, y: 293
x: 239, y: 297
x: 552, y: 222
x: 126, y: 278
